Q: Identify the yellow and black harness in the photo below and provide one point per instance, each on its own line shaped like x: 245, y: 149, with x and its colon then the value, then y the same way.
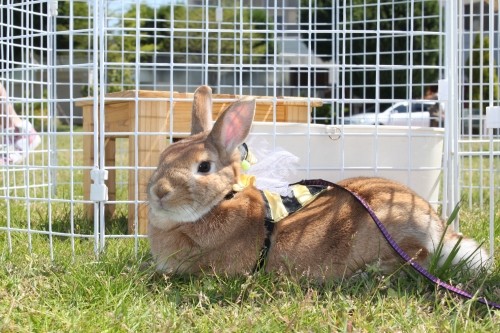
x: 277, y: 206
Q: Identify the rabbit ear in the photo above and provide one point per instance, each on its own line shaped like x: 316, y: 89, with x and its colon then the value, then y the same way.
x: 232, y: 127
x: 202, y: 110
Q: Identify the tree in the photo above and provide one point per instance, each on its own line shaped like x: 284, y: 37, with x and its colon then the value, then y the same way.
x: 15, y: 24
x: 14, y: 18
x: 376, y: 34
x: 184, y: 30
x: 79, y: 13
x: 322, y: 19
x: 187, y: 28
x: 479, y: 64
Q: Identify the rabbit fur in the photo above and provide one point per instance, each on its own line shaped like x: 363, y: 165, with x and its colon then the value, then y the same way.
x: 195, y: 226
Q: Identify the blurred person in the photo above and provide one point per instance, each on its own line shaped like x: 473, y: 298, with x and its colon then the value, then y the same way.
x: 431, y: 92
x: 436, y: 111
x: 17, y: 136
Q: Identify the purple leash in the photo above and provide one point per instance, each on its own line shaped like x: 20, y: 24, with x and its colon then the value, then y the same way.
x: 399, y: 250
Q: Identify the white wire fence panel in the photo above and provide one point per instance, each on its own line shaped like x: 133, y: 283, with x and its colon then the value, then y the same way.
x: 479, y: 59
x: 479, y: 100
x: 109, y: 85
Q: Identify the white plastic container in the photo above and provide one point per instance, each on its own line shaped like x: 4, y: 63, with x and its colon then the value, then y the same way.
x: 410, y: 155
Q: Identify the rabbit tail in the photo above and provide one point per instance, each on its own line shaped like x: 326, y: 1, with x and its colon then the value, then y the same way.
x: 458, y: 250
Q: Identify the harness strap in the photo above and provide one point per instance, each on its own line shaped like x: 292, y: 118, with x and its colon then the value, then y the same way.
x: 264, y: 251
x: 398, y: 249
x: 278, y: 207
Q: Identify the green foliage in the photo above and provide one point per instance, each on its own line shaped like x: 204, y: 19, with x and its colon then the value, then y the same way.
x: 321, y: 18
x: 446, y: 269
x: 479, y: 64
x: 184, y: 35
x: 395, y: 49
x: 323, y: 114
x: 192, y: 32
x: 73, y: 17
x: 376, y: 33
x: 179, y: 33
x: 28, y: 12
x: 17, y: 13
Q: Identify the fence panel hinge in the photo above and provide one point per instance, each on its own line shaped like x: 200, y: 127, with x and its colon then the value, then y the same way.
x: 493, y: 117
x: 98, y: 190
x: 53, y: 8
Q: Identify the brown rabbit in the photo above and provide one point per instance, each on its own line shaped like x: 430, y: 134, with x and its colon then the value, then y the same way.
x: 198, y: 223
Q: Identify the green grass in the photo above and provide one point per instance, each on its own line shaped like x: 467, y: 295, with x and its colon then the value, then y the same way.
x: 119, y: 291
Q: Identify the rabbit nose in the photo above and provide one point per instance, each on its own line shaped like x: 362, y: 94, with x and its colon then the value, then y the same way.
x: 162, y: 191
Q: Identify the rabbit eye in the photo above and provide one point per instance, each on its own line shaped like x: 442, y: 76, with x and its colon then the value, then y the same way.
x: 204, y: 167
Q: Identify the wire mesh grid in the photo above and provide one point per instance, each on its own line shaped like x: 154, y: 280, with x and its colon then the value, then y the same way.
x: 108, y: 85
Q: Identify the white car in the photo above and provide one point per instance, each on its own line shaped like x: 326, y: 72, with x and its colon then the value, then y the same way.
x: 397, y: 114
